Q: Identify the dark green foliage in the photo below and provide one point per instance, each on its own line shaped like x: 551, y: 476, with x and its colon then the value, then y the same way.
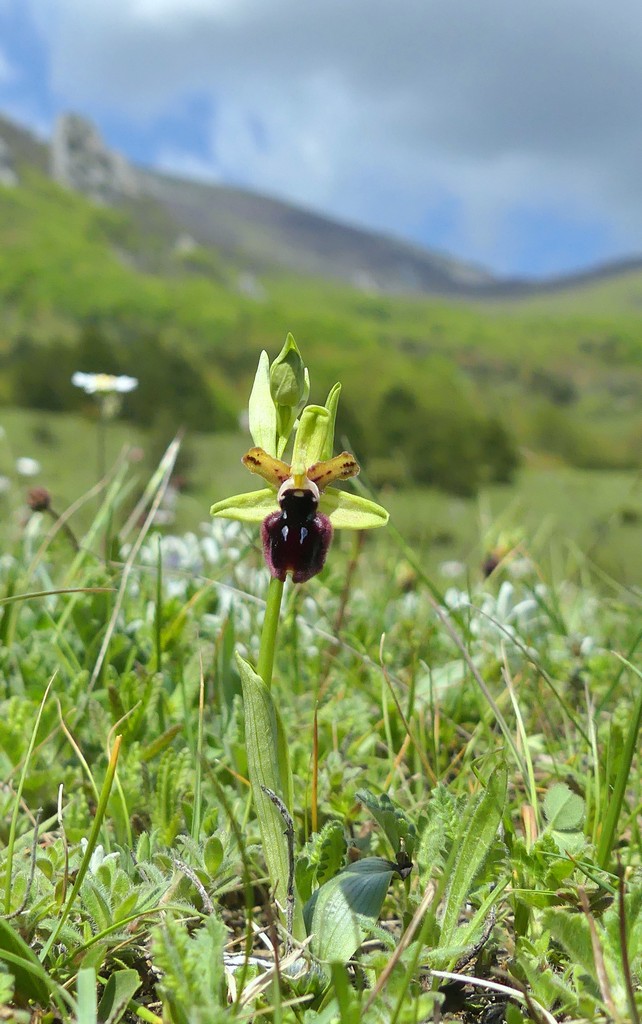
x: 501, y: 455
x: 443, y: 439
x: 558, y: 389
x: 41, y: 375
x: 192, y: 979
x: 399, y: 830
x: 173, y: 384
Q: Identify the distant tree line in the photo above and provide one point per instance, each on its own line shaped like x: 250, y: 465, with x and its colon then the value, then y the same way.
x: 439, y: 437
x: 170, y: 381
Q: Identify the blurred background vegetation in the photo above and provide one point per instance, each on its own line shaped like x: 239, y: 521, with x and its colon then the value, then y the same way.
x: 467, y: 398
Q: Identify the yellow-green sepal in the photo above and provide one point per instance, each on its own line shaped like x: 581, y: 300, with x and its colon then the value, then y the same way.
x: 251, y: 507
x: 350, y: 511
x: 261, y: 409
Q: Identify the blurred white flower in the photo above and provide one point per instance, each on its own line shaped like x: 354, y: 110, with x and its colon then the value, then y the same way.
x: 520, y: 567
x: 27, y: 467
x: 587, y: 646
x: 455, y: 599
x: 164, y: 517
x: 452, y: 569
x: 5, y: 484
x: 103, y: 383
x: 98, y: 857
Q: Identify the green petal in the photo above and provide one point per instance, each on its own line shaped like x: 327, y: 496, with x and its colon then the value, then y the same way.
x: 261, y: 410
x: 331, y: 404
x: 311, y: 437
x: 251, y: 507
x: 350, y: 512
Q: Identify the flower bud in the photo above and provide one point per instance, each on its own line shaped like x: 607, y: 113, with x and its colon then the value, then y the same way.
x: 39, y: 499
x: 287, y: 376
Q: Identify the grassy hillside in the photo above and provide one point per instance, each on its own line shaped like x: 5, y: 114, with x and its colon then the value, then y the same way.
x: 439, y: 393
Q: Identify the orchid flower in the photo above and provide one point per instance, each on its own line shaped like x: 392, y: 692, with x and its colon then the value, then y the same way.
x: 299, y: 511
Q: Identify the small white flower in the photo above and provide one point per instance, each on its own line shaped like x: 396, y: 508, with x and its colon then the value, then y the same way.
x: 27, y: 467
x: 98, y: 856
x: 5, y: 484
x: 455, y: 599
x: 103, y: 383
x: 452, y: 569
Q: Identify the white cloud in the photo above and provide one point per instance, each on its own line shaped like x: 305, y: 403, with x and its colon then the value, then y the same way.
x: 372, y: 110
x: 182, y: 164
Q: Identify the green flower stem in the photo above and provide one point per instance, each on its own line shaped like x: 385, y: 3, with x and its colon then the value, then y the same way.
x: 265, y: 663
x: 102, y: 440
x: 268, y: 756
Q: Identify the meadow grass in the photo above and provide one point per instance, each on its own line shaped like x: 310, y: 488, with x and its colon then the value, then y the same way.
x: 477, y: 736
x: 598, y: 513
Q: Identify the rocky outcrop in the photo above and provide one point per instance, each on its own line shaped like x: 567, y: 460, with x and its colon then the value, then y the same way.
x: 80, y: 160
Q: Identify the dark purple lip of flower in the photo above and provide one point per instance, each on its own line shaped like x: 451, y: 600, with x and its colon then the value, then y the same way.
x: 297, y: 538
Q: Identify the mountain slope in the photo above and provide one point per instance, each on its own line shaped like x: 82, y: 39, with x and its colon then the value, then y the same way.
x: 258, y: 233
x: 262, y: 235
x: 271, y: 233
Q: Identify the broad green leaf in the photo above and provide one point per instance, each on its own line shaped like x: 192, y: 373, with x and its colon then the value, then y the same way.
x: 86, y: 996
x: 348, y: 511
x: 549, y: 987
x: 430, y: 848
x: 6, y: 995
x: 472, y: 846
x: 569, y: 842
x: 322, y: 857
x: 213, y: 855
x: 267, y: 760
x: 440, y: 824
x: 573, y: 933
x: 261, y: 410
x: 397, y: 827
x: 121, y: 987
x: 304, y: 876
x: 563, y: 809
x: 337, y: 912
x: 32, y: 980
x: 332, y: 851
x: 251, y: 507
x: 94, y: 957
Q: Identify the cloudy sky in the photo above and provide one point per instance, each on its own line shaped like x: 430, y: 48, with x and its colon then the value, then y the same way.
x: 504, y: 132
